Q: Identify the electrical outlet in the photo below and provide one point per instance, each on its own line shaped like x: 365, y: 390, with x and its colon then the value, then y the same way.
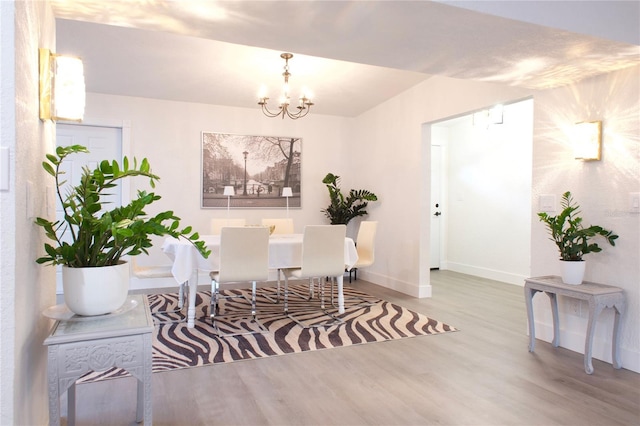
x: 49, y: 197
x: 30, y: 200
x: 574, y: 307
x: 547, y: 203
x: 634, y: 202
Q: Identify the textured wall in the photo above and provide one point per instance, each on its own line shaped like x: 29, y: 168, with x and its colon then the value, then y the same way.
x: 602, y: 189
x: 26, y: 288
x: 7, y: 213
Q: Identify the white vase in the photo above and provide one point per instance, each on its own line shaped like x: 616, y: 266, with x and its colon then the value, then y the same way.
x: 572, y: 271
x: 95, y: 291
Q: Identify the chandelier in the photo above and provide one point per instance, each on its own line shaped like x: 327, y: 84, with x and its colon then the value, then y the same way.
x: 304, y: 105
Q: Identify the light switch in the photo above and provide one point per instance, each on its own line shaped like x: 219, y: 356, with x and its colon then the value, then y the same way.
x: 547, y: 203
x: 634, y: 202
x: 50, y: 201
x: 30, y: 200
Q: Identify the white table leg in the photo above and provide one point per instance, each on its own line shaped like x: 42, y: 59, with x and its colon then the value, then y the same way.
x: 619, y: 309
x: 193, y: 289
x: 71, y: 405
x: 595, y: 309
x: 340, y: 280
x: 553, y: 299
x: 140, y: 401
x: 181, y: 296
x: 528, y: 299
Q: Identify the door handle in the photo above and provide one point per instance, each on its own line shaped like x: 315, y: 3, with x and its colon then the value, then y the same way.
x: 437, y: 214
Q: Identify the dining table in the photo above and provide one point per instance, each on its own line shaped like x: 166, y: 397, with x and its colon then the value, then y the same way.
x: 285, y: 251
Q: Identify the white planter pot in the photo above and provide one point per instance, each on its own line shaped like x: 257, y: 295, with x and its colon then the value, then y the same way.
x: 572, y: 272
x: 95, y: 291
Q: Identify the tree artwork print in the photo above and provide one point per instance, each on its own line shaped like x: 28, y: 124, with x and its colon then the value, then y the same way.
x: 257, y: 167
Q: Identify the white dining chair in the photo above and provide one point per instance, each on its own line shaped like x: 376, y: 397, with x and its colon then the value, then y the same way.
x: 217, y: 224
x: 244, y: 257
x: 282, y: 225
x: 365, y: 246
x: 160, y: 271
x: 322, y: 258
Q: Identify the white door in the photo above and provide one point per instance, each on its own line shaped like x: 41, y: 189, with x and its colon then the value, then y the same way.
x: 436, y: 206
x: 103, y: 143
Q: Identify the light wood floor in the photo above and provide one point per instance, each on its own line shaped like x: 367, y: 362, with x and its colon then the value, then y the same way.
x: 481, y: 375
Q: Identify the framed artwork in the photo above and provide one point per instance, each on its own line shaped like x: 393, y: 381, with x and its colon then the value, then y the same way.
x: 257, y: 167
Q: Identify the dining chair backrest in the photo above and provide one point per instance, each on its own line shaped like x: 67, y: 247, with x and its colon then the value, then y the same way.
x: 365, y: 242
x: 217, y: 224
x: 282, y: 226
x: 244, y: 254
x: 323, y: 250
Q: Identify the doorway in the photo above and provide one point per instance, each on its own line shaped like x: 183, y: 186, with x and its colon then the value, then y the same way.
x: 102, y: 143
x: 484, y: 193
x: 436, y: 205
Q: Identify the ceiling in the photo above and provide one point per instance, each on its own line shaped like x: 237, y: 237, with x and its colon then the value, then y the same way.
x: 352, y: 55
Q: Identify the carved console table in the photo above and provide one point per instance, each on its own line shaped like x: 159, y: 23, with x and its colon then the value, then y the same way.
x: 599, y: 296
x: 81, y: 344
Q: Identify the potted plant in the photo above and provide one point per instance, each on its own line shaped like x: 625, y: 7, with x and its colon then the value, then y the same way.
x: 90, y: 241
x: 342, y: 209
x: 573, y: 239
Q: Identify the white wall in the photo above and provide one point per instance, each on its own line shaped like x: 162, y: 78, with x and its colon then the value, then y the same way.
x: 392, y: 158
x: 27, y: 289
x: 388, y: 140
x: 602, y: 190
x: 488, y: 196
x: 169, y: 135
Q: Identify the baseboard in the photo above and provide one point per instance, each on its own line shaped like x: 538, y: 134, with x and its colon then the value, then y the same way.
x: 419, y: 291
x: 492, y: 274
x: 601, y: 349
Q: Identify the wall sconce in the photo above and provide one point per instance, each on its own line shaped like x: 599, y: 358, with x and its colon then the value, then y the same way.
x: 286, y: 192
x: 496, y: 115
x: 587, y: 140
x: 62, y: 91
x: 486, y: 117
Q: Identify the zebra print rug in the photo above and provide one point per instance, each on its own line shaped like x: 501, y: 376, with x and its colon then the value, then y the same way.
x: 366, y: 319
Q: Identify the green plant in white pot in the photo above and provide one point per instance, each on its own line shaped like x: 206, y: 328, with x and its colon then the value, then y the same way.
x: 573, y: 239
x: 342, y: 209
x: 90, y: 241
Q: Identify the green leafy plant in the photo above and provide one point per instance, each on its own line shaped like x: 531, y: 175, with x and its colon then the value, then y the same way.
x: 91, y: 237
x: 571, y: 237
x: 342, y: 209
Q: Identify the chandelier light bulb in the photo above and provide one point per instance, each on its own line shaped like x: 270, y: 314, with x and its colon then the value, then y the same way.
x: 306, y: 93
x: 283, y: 109
x: 262, y: 93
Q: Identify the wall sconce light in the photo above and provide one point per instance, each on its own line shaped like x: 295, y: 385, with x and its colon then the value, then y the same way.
x: 286, y: 192
x: 487, y: 117
x: 496, y: 114
x: 228, y: 192
x: 62, y: 91
x: 587, y: 140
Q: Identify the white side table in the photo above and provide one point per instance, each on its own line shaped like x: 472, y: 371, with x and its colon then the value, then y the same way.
x: 81, y: 344
x: 599, y: 296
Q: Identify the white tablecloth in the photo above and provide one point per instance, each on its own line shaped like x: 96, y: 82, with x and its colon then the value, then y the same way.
x: 285, y: 251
